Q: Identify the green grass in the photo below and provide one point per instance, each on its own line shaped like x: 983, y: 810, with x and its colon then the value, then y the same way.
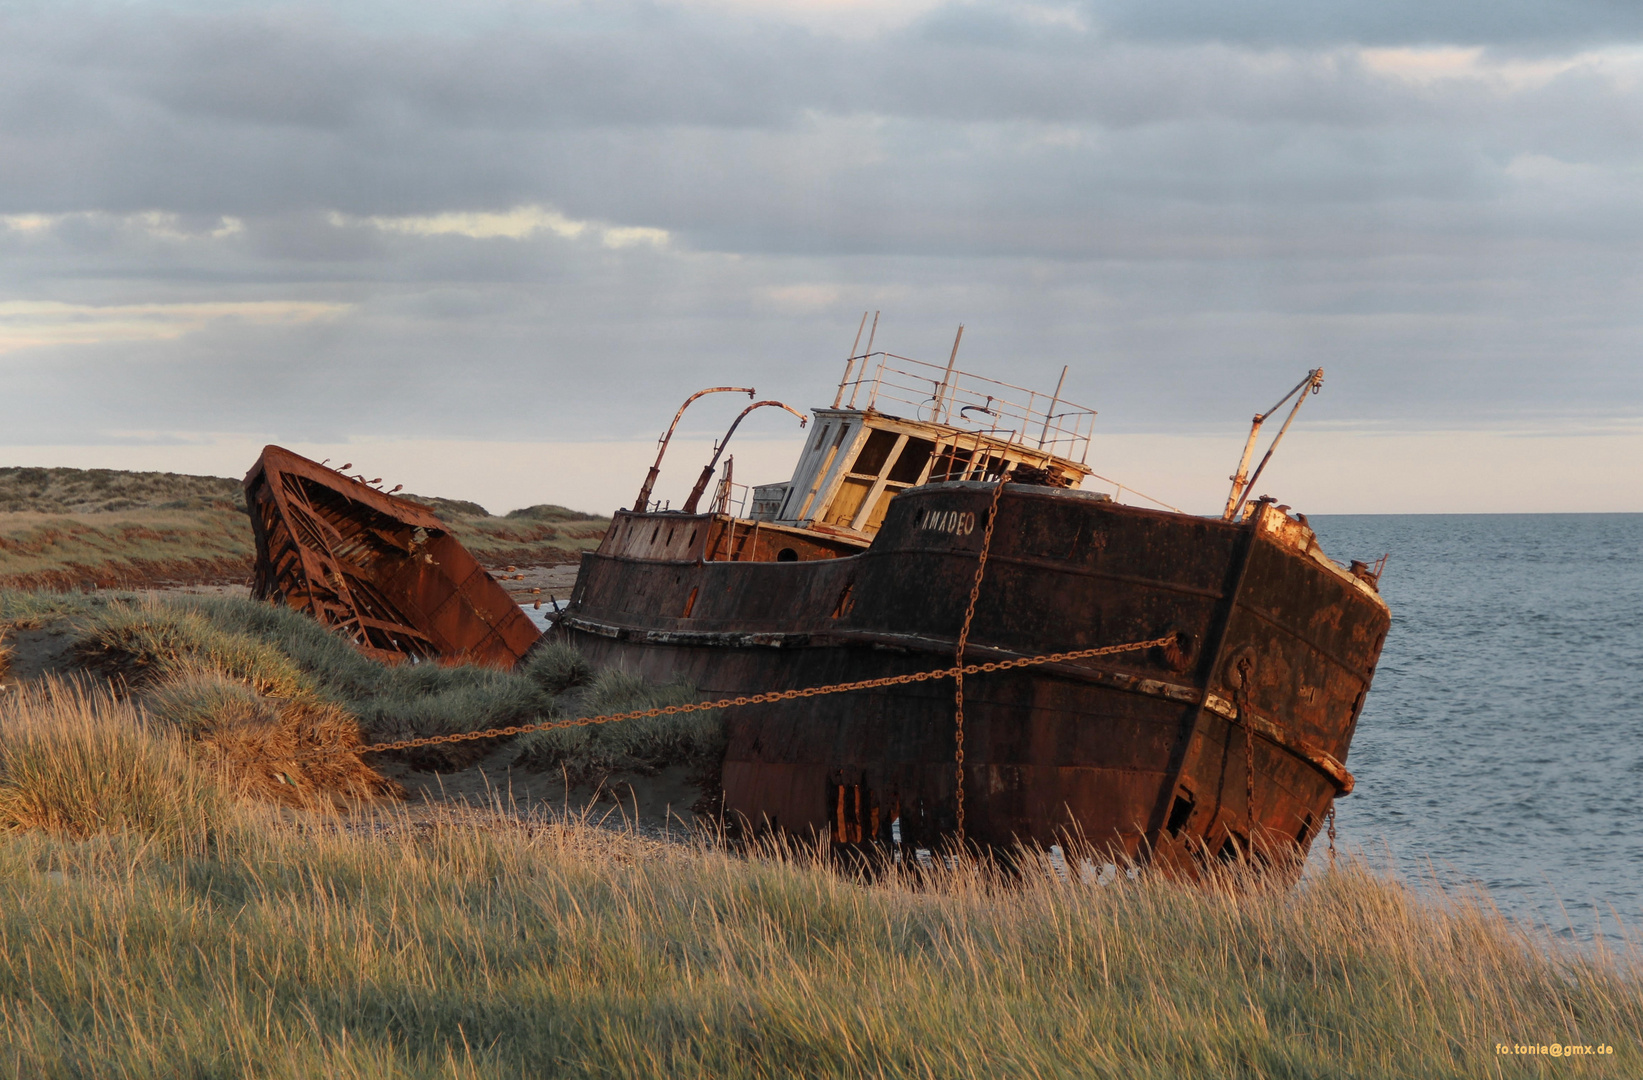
x: 283, y: 653
x: 153, y: 640
x: 187, y: 650
x: 32, y: 608
x: 585, y: 753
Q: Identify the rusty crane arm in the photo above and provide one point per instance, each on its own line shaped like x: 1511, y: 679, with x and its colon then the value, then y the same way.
x: 1241, y: 486
x: 643, y: 501
x: 707, y: 470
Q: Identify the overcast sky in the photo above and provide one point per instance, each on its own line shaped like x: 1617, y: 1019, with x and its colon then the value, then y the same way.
x: 488, y: 247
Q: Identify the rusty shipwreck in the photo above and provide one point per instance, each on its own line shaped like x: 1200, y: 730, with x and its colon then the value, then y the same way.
x: 1229, y: 740
x: 380, y: 570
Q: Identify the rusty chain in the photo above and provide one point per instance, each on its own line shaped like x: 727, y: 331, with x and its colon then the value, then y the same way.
x: 749, y: 699
x: 958, y: 655
x: 1332, y: 834
x: 1249, y: 774
x: 1240, y: 701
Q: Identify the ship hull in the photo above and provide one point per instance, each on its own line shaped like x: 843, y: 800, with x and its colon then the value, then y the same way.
x: 1233, y: 741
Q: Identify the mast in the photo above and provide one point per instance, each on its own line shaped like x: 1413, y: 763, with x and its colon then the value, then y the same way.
x: 707, y: 470
x: 947, y: 377
x: 849, y: 363
x: 1049, y: 414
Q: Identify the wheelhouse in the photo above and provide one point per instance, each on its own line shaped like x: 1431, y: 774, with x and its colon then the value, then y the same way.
x: 916, y: 424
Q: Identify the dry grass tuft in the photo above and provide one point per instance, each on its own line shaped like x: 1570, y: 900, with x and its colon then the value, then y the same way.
x: 254, y: 711
x: 76, y: 761
x: 301, y: 753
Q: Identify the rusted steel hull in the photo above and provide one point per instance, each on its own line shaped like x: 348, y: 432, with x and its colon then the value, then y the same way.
x: 382, y: 570
x: 1151, y: 754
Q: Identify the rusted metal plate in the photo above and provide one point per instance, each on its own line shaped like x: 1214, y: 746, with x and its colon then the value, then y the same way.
x: 1154, y: 754
x: 382, y: 570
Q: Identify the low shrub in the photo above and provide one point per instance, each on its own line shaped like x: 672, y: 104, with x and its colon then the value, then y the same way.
x: 212, y: 664
x: 641, y: 745
x: 556, y: 667
x: 152, y: 640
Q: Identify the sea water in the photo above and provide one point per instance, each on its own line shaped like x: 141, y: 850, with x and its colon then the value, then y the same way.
x: 541, y: 616
x: 1502, y: 742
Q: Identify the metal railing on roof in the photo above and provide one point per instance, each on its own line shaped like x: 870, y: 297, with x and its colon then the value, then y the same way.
x: 943, y: 395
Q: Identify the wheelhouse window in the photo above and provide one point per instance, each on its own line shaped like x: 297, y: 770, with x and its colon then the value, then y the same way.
x: 874, y: 453
x: 888, y: 463
x: 909, y: 464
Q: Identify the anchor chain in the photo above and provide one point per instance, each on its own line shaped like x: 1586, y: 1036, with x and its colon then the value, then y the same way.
x: 1332, y: 834
x: 958, y: 658
x: 1249, y: 781
x: 1240, y: 699
x: 726, y: 703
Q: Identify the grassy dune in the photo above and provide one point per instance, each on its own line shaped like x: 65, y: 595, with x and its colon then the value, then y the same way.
x: 543, y: 535
x: 256, y: 680
x: 63, y: 528
x: 201, y: 657
x: 88, y: 491
x: 127, y: 548
x: 191, y: 935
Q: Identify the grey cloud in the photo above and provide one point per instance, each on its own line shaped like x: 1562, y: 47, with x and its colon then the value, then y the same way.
x: 1187, y: 219
x: 585, y: 344
x: 657, y: 124
x: 1533, y: 24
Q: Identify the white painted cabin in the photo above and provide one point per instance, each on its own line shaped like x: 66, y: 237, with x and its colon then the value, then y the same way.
x: 919, y: 423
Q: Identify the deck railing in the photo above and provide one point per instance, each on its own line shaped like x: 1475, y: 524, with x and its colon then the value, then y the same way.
x: 944, y: 395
